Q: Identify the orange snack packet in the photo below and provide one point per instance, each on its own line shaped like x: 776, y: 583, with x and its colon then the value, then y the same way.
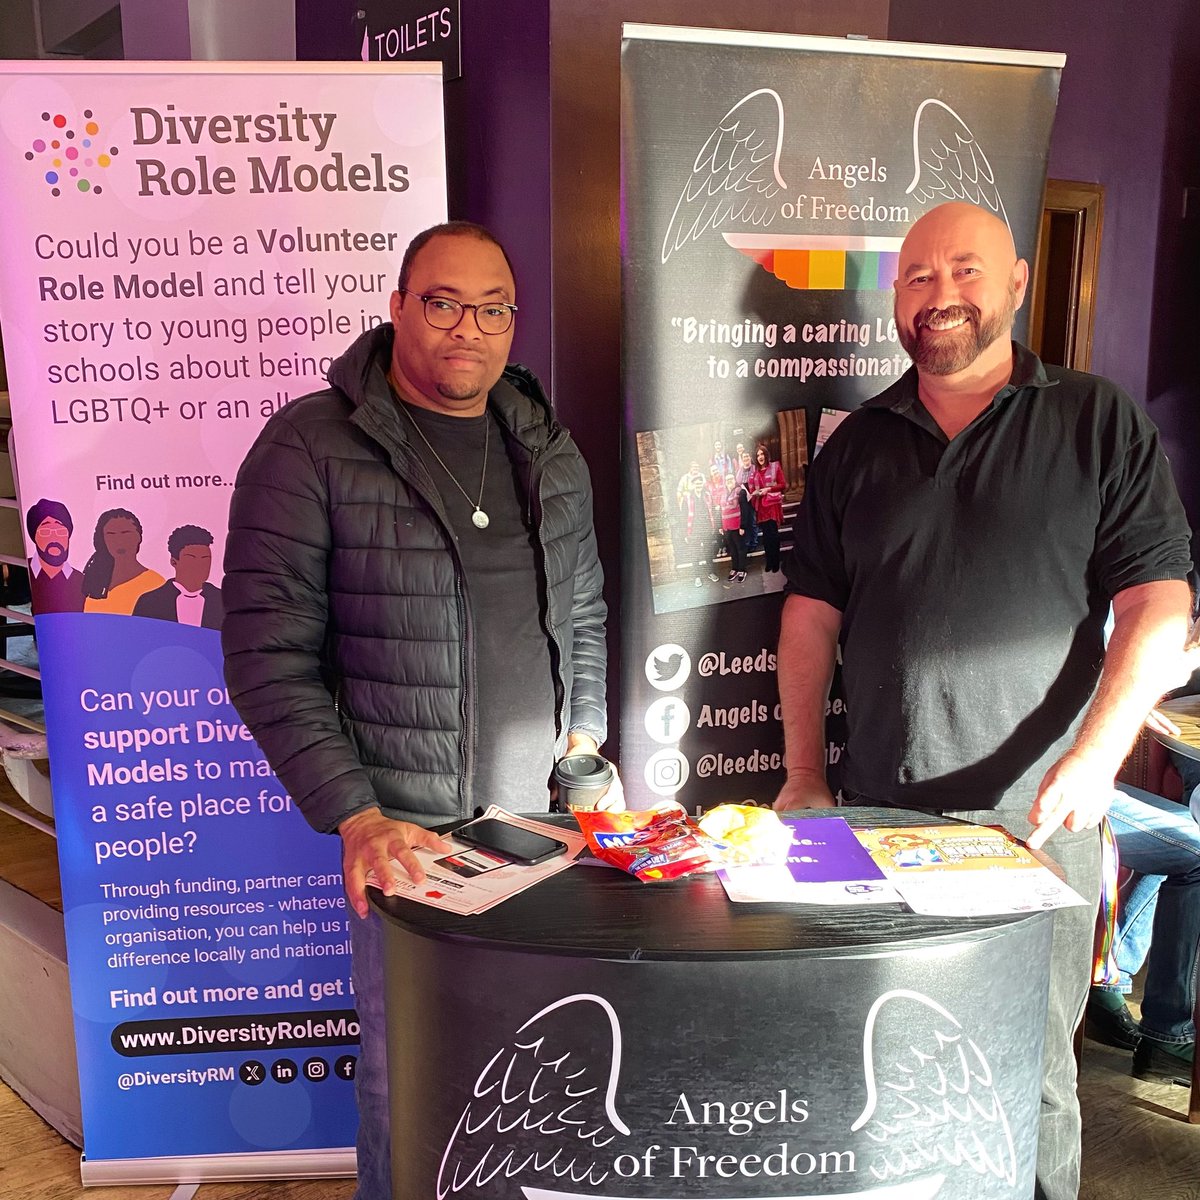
x: 654, y: 844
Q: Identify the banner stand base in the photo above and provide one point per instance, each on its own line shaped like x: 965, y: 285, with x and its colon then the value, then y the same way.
x: 335, y: 1163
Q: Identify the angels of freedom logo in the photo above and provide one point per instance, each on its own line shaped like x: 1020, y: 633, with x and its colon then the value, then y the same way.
x: 69, y: 154
x: 736, y: 179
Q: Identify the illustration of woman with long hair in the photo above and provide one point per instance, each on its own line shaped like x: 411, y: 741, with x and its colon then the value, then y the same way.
x: 113, y: 578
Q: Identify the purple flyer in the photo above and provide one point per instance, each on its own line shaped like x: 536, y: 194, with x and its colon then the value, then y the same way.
x: 825, y: 850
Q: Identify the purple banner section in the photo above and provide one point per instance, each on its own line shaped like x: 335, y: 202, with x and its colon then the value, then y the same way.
x: 206, y: 925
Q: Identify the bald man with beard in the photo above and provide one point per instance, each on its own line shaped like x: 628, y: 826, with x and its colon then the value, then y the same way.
x: 964, y: 535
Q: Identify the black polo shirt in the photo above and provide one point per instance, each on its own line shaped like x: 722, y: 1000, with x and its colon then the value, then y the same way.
x: 974, y: 576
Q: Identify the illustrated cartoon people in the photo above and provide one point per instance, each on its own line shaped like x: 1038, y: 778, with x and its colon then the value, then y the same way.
x: 113, y: 578
x: 55, y: 585
x: 903, y: 841
x: 766, y: 486
x: 188, y: 598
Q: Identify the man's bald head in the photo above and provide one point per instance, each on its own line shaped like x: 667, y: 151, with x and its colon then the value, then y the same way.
x: 959, y: 287
x: 965, y: 223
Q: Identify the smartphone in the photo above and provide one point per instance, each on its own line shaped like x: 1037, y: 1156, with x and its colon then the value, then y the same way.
x: 510, y: 841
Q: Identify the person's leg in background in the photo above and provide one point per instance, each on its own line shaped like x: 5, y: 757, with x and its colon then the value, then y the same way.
x: 1189, y: 772
x: 371, y: 1074
x: 1108, y: 1017
x: 1158, y: 838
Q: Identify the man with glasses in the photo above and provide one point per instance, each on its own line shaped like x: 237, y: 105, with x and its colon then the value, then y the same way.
x: 414, y: 624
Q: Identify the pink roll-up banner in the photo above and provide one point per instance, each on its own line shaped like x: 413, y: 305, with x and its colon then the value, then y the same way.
x: 186, y: 247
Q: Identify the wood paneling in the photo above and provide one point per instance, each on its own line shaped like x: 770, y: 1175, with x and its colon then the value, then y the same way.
x: 28, y: 857
x: 36, y: 1164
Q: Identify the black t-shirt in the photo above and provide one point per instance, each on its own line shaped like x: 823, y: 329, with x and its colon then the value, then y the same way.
x: 974, y: 576
x: 514, y: 680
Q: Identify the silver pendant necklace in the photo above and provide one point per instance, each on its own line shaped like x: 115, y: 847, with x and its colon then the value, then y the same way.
x: 478, y: 518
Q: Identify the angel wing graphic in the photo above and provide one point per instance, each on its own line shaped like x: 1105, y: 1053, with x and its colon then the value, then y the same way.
x: 735, y: 175
x: 546, y: 1102
x: 936, y: 1103
x: 948, y: 163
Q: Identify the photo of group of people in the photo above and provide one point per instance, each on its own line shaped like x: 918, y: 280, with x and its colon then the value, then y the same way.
x: 114, y: 579
x: 718, y: 500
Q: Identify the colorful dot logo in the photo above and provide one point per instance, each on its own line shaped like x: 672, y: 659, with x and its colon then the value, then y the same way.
x: 70, y: 153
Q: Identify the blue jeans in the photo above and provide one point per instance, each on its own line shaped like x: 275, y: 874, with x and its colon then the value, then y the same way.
x: 371, y: 1077
x: 1159, y: 918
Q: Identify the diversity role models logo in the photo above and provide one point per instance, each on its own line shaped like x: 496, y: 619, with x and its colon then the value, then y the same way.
x: 70, y: 153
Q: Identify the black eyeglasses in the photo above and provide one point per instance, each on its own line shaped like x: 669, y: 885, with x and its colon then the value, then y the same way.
x: 492, y: 317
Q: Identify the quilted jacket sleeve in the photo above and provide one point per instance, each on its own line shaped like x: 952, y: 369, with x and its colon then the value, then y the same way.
x: 275, y: 624
x: 588, y: 713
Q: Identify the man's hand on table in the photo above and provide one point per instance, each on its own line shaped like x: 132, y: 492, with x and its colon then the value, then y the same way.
x: 370, y: 841
x: 614, y: 799
x: 1074, y: 795
x: 804, y: 789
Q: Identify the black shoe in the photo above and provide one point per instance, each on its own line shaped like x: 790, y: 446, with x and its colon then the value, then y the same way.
x: 1114, y: 1026
x: 1164, y: 1062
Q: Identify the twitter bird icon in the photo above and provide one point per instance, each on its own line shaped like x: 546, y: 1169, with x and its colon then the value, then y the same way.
x: 667, y: 666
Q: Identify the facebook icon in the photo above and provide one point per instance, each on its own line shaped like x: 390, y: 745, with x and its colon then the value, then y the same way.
x: 667, y: 720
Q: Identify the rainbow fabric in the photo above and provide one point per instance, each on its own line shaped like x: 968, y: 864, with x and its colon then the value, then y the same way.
x: 818, y: 263
x: 1104, y: 964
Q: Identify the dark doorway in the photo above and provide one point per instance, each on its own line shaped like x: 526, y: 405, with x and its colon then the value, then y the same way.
x: 1062, y: 304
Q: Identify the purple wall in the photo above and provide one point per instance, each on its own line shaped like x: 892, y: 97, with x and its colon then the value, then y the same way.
x: 156, y: 29
x: 497, y: 136
x: 498, y: 152
x: 1127, y: 115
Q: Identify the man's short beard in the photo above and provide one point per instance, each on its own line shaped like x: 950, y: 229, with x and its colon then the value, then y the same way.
x: 447, y: 392
x: 53, y: 555
x: 947, y: 355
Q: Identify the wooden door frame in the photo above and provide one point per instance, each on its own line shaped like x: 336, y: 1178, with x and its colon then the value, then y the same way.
x: 1084, y: 201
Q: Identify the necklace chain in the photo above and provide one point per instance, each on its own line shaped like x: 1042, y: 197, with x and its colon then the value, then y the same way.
x: 478, y: 518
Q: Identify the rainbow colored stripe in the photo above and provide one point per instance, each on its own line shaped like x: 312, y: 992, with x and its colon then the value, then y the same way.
x: 809, y: 262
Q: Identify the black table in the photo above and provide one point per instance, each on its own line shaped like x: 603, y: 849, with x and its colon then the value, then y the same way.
x: 599, y: 1037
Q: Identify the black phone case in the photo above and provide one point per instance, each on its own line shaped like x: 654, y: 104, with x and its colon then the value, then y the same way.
x: 484, y: 843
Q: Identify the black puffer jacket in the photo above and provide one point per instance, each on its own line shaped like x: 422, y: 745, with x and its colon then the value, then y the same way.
x: 347, y: 619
